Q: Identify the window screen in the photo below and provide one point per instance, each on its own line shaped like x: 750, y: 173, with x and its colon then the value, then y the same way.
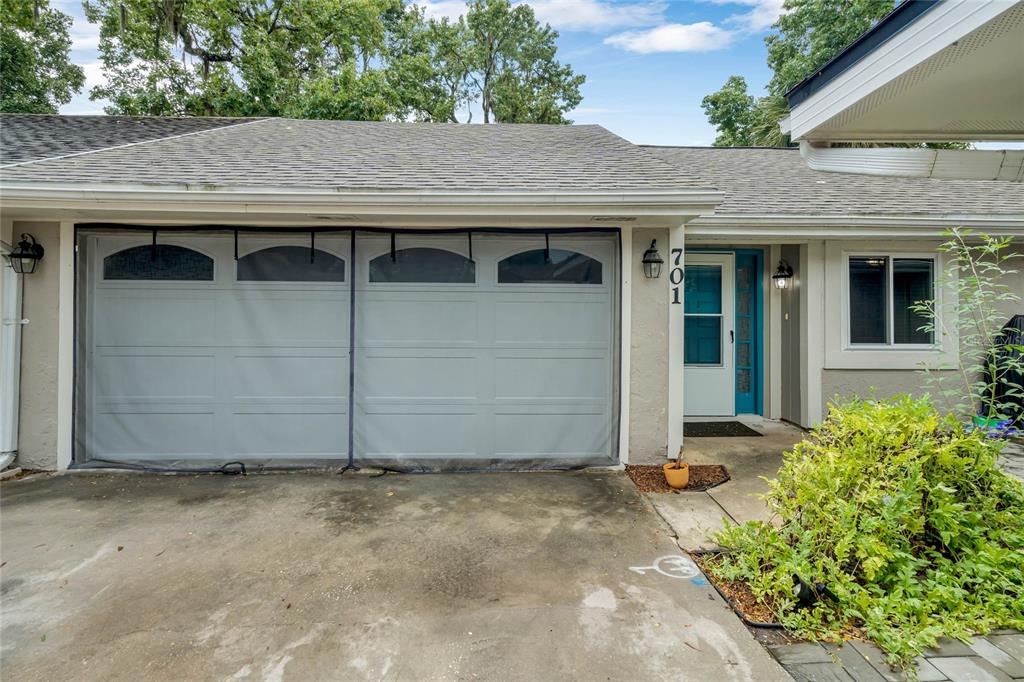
x: 158, y: 261
x: 567, y: 267
x: 290, y: 264
x: 912, y: 281
x: 425, y: 265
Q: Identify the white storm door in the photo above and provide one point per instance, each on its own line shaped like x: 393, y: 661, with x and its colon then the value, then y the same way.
x: 709, y: 380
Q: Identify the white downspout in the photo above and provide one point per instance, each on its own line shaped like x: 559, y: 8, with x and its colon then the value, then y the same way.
x: 10, y: 358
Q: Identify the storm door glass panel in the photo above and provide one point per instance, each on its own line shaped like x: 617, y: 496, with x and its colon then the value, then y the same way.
x: 703, y: 290
x: 868, y: 300
x: 423, y: 265
x: 703, y: 340
x: 912, y: 282
x: 702, y: 332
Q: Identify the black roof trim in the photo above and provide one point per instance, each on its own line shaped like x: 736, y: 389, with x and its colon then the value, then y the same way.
x: 892, y: 23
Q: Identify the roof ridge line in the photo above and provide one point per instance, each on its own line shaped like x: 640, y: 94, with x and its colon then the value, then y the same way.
x: 60, y: 157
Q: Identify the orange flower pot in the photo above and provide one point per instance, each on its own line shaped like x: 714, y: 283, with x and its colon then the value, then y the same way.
x: 677, y: 477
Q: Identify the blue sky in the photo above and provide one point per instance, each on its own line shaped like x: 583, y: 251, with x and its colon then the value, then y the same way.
x: 648, y: 62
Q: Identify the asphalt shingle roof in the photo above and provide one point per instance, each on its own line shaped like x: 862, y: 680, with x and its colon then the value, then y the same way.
x: 350, y: 155
x: 779, y: 182
x: 30, y: 137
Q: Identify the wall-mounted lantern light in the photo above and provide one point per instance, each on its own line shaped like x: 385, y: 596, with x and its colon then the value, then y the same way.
x: 782, y: 275
x: 652, y: 261
x: 26, y: 255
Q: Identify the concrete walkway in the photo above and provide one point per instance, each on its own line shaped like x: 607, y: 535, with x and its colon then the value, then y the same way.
x: 695, y: 515
x: 309, y: 577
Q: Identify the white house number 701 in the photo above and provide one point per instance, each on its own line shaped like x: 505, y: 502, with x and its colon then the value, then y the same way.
x: 675, y: 276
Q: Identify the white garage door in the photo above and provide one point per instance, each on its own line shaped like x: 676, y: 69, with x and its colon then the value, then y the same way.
x: 490, y: 350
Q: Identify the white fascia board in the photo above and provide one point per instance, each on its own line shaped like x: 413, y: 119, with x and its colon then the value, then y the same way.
x: 796, y: 228
x: 932, y: 32
x: 265, y: 200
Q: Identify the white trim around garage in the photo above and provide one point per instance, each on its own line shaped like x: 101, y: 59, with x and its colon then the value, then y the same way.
x: 65, y: 345
x: 625, y: 337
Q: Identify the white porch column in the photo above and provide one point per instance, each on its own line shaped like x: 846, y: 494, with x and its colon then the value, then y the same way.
x: 773, y: 347
x: 674, y: 301
x: 812, y: 339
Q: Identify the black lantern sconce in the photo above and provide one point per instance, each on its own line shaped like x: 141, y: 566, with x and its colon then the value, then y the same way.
x: 26, y: 255
x: 782, y: 275
x: 652, y: 261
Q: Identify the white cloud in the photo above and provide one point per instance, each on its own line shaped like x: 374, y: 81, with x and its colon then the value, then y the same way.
x: 569, y: 15
x: 442, y: 9
x: 84, y: 36
x: 700, y: 37
x: 93, y: 76
x: 761, y: 15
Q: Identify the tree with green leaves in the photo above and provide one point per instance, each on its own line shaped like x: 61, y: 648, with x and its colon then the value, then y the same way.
x: 509, y: 65
x: 357, y: 59
x: 731, y: 111
x: 308, y: 59
x: 36, y: 74
x: 807, y: 35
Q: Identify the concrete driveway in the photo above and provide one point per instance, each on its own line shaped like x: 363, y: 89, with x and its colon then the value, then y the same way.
x: 309, y: 577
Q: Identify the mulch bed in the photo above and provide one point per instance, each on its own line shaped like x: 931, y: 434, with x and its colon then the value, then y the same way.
x: 739, y: 596
x: 651, y: 479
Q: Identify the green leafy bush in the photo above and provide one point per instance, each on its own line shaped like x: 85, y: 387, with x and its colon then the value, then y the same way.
x: 902, y: 519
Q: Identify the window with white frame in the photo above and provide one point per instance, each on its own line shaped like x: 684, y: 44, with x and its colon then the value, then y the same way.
x: 881, y: 294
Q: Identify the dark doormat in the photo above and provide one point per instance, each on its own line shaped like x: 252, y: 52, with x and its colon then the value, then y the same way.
x: 717, y: 430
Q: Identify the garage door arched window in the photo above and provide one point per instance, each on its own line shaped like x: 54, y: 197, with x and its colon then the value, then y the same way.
x: 290, y: 264
x: 158, y: 262
x: 559, y: 266
x: 424, y: 265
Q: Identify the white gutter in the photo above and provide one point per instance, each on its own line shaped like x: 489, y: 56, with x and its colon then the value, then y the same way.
x: 947, y: 164
x: 293, y: 200
x: 802, y: 227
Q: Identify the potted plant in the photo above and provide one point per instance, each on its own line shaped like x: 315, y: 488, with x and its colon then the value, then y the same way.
x: 677, y: 474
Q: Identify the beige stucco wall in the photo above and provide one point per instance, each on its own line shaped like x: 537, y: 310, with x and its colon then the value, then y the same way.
x: 37, y: 420
x: 649, y: 370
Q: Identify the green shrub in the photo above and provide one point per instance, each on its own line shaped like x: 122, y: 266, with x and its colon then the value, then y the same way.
x: 903, y: 517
